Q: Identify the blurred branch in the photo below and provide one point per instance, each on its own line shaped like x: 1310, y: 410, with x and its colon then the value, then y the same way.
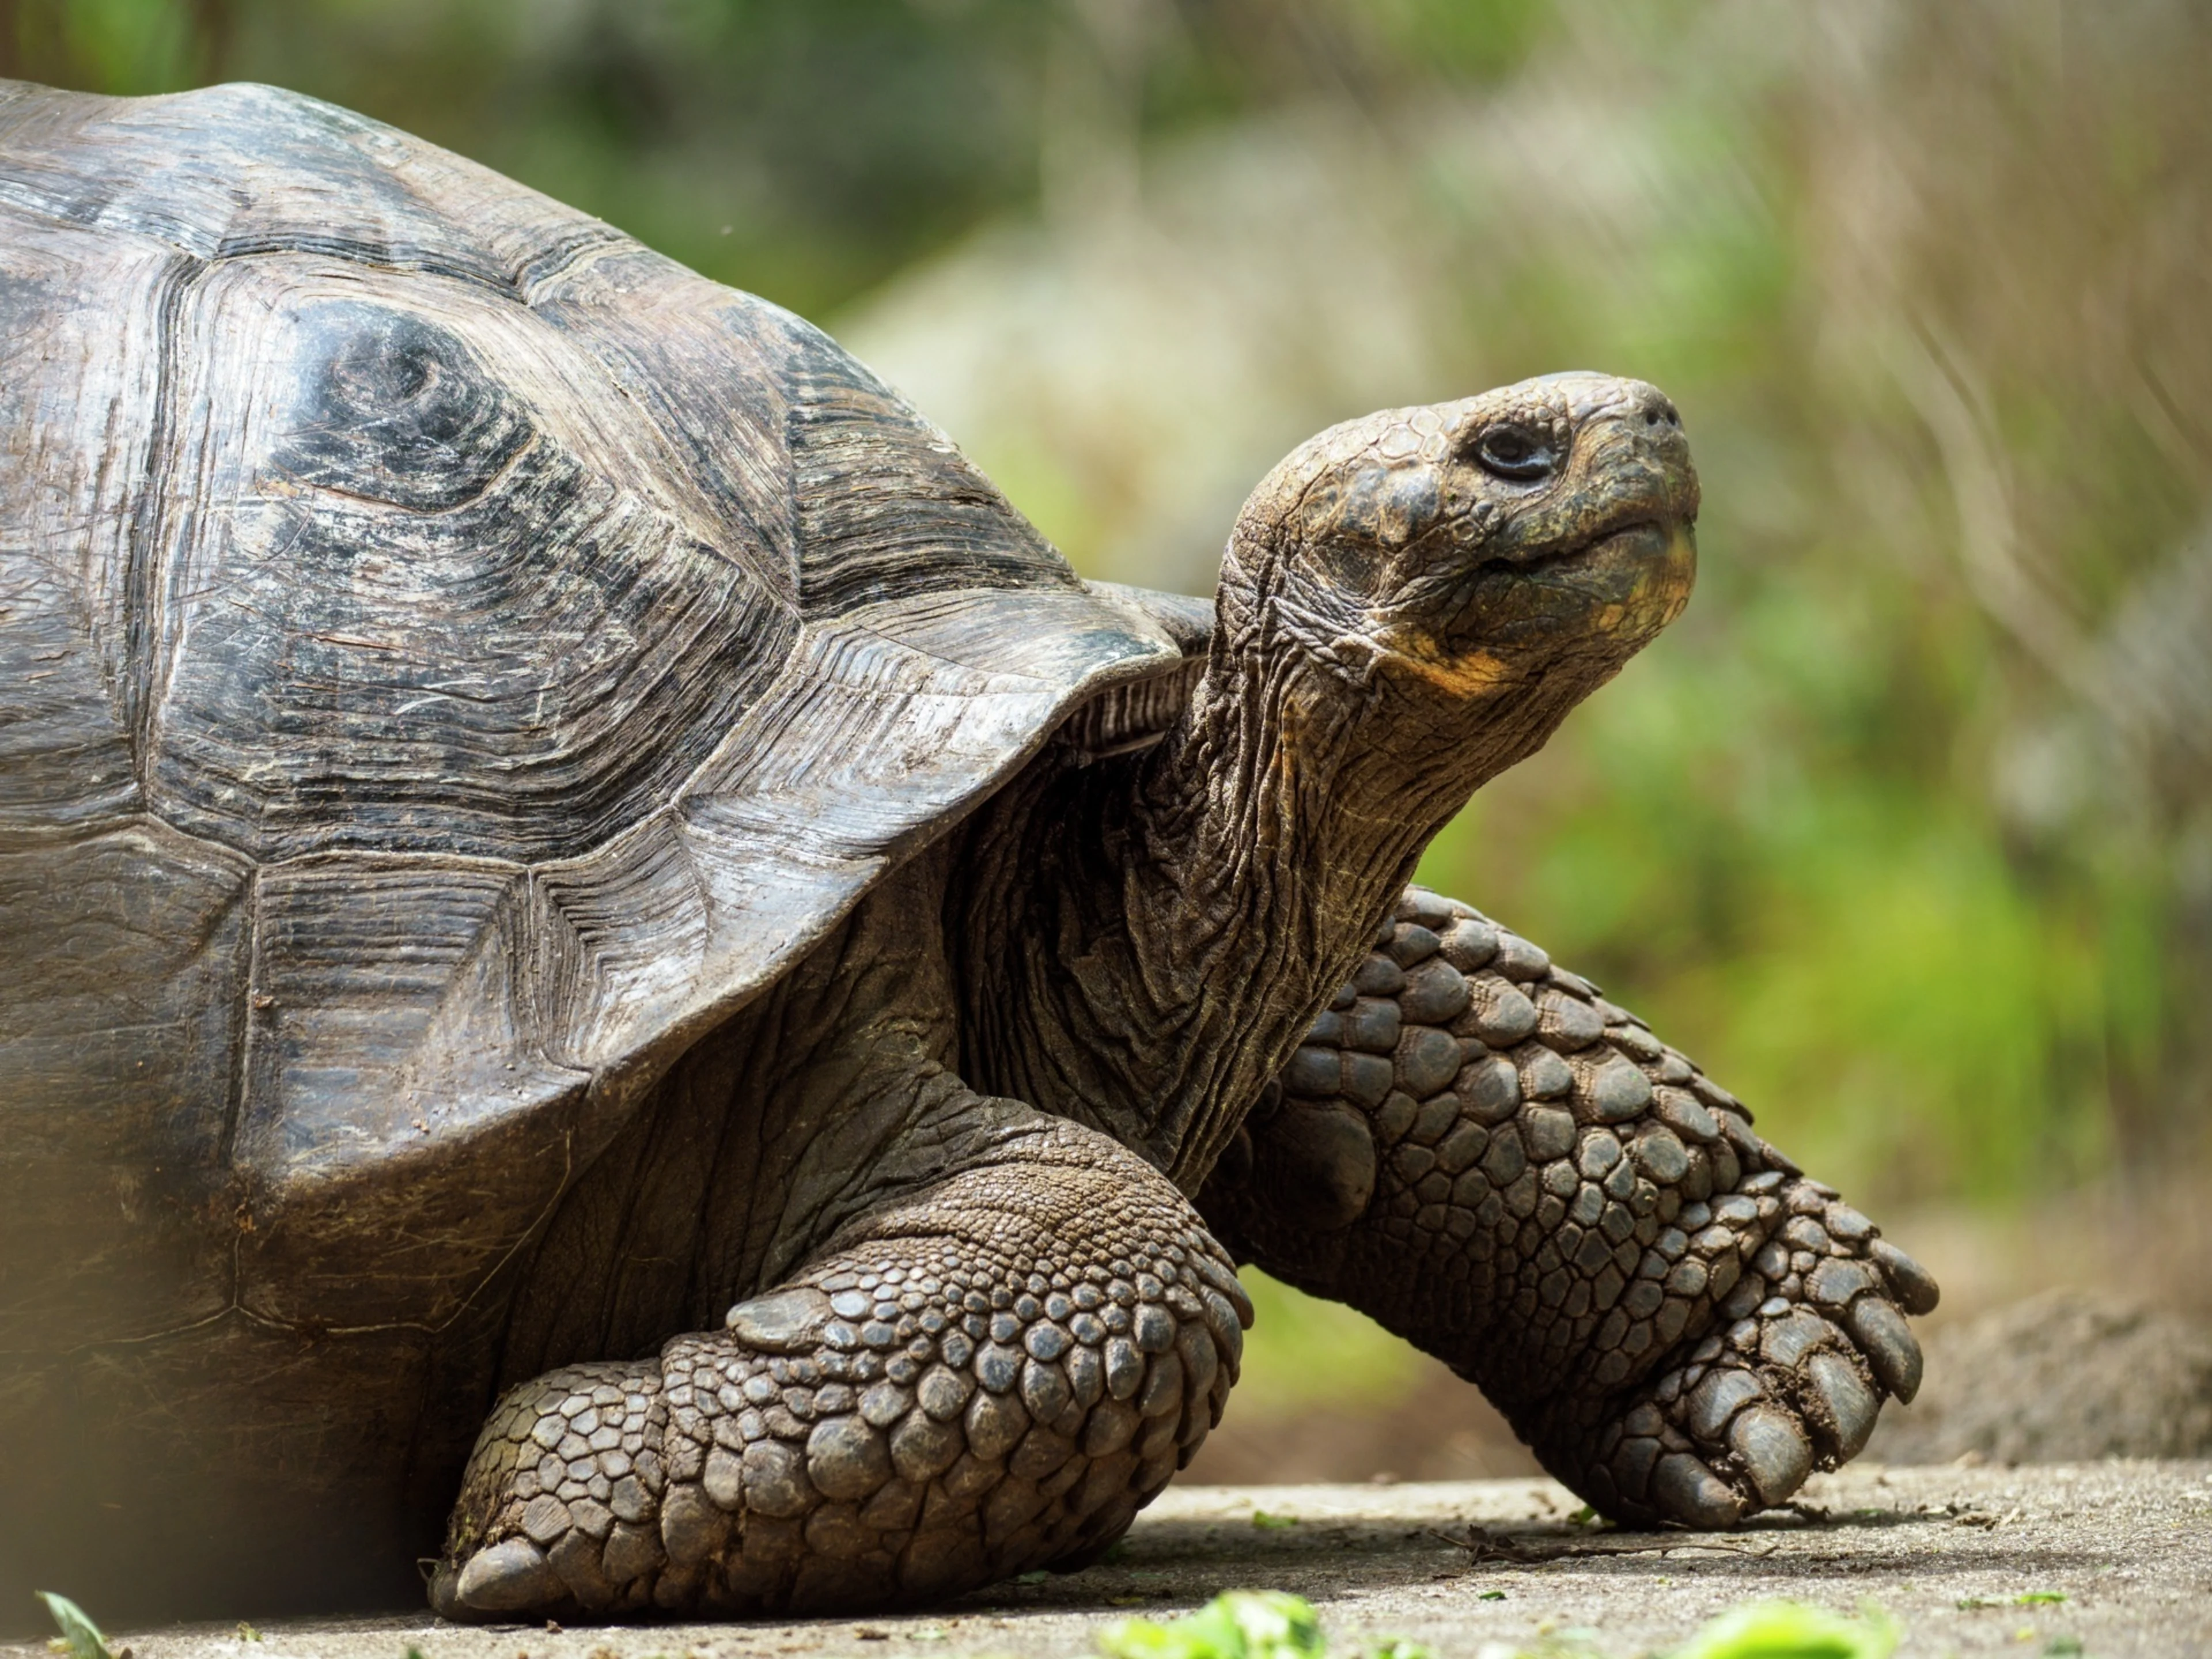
x: 1092, y: 88
x: 1951, y: 403
x: 2155, y: 667
x: 2146, y: 673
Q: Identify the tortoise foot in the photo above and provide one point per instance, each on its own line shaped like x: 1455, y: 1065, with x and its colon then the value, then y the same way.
x: 911, y: 1417
x: 1814, y: 1341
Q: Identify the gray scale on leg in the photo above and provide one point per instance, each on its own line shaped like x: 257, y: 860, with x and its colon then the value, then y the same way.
x: 1682, y: 1325
x: 1002, y: 1456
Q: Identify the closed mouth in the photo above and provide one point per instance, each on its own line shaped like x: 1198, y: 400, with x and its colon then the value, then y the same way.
x: 1661, y: 532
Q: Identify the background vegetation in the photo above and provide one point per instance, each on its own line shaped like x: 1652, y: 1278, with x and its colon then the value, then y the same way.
x: 1906, y: 830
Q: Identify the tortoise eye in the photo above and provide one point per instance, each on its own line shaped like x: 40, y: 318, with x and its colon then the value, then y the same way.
x: 1518, y: 452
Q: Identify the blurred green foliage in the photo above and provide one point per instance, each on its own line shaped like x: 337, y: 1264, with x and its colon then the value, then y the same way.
x: 1905, y: 831
x: 1301, y: 1353
x: 1234, y: 1625
x: 1792, y: 1630
x: 80, y: 1638
x: 805, y: 151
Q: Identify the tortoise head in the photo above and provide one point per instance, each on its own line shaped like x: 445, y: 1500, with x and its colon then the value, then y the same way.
x: 1488, y: 562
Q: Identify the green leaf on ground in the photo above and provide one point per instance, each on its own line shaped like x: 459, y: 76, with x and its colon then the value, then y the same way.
x: 83, y: 1636
x: 1267, y: 1522
x: 1791, y: 1630
x: 1491, y: 1595
x: 1235, y: 1624
x: 2039, y: 1598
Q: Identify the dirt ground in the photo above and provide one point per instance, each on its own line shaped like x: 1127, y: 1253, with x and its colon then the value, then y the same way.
x: 2107, y: 1559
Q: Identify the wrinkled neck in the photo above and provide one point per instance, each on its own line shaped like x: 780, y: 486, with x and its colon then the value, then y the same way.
x: 1271, y: 835
x: 1148, y: 940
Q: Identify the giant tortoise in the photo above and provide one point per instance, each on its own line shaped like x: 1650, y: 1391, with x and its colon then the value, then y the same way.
x: 607, y: 951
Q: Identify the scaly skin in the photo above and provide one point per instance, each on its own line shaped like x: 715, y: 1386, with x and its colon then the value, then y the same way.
x: 992, y: 1377
x: 1477, y: 1149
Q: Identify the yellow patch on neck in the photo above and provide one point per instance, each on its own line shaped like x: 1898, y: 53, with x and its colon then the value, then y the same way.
x: 1469, y: 674
x: 1672, y: 577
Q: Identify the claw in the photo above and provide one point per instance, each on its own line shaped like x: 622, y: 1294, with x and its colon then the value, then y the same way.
x: 513, y: 1577
x: 1851, y: 1403
x: 1775, y: 1452
x: 445, y: 1592
x: 786, y: 1323
x: 1718, y: 1397
x: 1684, y: 1490
x: 1890, y: 1350
x: 1224, y: 1281
x: 1228, y: 1329
x: 1632, y: 1465
x: 1916, y: 1288
x: 1787, y: 1341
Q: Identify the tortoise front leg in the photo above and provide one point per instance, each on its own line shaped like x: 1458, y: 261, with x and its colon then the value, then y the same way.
x: 1476, y: 1149
x: 991, y: 1377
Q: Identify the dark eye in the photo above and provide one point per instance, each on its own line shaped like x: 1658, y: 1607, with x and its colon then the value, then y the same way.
x: 1516, y: 452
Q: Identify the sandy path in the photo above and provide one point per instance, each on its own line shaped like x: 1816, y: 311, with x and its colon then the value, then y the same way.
x: 2129, y: 1545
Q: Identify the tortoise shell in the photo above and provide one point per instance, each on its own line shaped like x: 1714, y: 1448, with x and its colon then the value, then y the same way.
x: 450, y: 656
